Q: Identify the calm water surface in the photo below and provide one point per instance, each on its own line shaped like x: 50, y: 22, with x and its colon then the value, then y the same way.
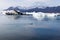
x: 16, y: 27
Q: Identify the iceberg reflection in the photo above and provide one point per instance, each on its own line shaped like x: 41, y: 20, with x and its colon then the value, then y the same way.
x: 15, y: 17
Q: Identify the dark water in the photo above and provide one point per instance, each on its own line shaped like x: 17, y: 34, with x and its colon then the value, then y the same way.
x: 18, y: 27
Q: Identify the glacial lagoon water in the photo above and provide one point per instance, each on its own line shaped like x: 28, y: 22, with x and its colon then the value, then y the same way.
x: 25, y: 27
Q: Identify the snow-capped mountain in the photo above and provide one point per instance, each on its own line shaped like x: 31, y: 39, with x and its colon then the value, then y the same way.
x: 46, y: 9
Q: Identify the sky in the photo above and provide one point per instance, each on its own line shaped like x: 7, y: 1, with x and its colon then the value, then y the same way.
x: 28, y: 3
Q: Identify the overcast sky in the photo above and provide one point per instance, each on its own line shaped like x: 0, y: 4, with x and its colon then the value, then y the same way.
x: 28, y: 3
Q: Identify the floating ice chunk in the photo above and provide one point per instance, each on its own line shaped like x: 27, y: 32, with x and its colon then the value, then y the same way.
x: 39, y: 16
x: 51, y: 15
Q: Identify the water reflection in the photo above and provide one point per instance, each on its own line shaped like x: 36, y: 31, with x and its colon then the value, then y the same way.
x: 28, y: 28
x: 13, y: 16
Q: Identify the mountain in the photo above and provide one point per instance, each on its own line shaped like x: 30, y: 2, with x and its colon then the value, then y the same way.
x: 45, y: 10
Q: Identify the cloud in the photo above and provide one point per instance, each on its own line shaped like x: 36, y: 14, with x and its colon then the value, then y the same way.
x: 28, y: 3
x: 33, y: 3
